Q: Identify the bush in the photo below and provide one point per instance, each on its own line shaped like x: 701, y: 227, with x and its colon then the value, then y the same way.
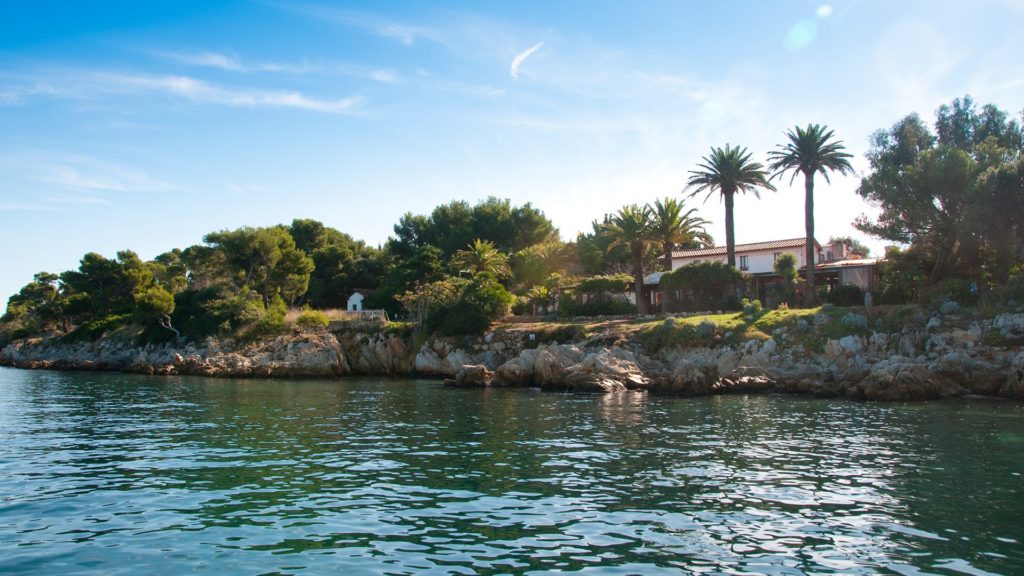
x: 846, y: 295
x: 1007, y: 297
x: 856, y: 321
x: 312, y: 320
x: 605, y: 284
x: 568, y: 308
x: 703, y: 286
x: 959, y: 290
x: 671, y: 334
x: 97, y: 328
x: 215, y: 310
x: 752, y: 309
x: 522, y: 306
x: 482, y: 301
x: 272, y: 320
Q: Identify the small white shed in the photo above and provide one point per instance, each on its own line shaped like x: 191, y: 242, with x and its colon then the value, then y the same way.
x: 355, y: 301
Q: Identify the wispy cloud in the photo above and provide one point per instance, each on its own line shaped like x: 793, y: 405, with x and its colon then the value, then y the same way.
x: 90, y: 84
x: 209, y: 59
x: 233, y: 63
x: 25, y: 207
x: 521, y: 57
x: 202, y: 91
x: 67, y: 175
x: 78, y: 200
x: 407, y: 34
x: 384, y: 75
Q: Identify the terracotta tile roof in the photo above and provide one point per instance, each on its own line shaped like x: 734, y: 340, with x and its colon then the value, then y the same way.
x: 848, y: 263
x: 740, y: 248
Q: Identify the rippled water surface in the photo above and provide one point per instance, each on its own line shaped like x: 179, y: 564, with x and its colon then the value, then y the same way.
x: 108, y: 474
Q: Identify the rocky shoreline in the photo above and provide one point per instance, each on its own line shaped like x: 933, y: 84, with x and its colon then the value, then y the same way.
x: 926, y: 361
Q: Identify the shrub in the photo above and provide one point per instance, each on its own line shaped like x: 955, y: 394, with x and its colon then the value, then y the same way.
x: 605, y: 284
x: 959, y: 290
x: 482, y: 301
x: 96, y: 328
x: 706, y: 329
x: 703, y: 286
x: 522, y: 306
x: 852, y: 320
x: 902, y: 273
x: 1007, y: 297
x: 312, y: 320
x: 272, y: 320
x: 846, y: 295
x: 568, y: 308
x: 752, y: 309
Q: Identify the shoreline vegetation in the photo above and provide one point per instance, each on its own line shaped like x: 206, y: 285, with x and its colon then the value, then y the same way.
x: 489, y: 294
x: 879, y: 353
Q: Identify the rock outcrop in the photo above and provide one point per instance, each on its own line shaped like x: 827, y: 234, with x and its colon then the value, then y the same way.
x: 923, y: 359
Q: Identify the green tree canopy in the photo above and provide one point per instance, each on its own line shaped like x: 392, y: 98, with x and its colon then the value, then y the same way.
x: 265, y: 260
x: 674, y: 228
x: 481, y: 257
x: 631, y: 226
x: 951, y: 194
x: 341, y: 264
x: 728, y: 171
x: 453, y: 226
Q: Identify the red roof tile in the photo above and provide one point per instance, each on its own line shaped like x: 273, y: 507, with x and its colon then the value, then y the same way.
x: 756, y: 246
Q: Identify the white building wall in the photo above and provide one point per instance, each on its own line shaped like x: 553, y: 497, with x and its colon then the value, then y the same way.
x: 758, y: 262
x: 355, y: 302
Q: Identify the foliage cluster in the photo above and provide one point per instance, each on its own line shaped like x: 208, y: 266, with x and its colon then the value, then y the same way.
x: 846, y: 295
x: 312, y: 319
x: 456, y: 306
x: 702, y: 286
x: 954, y: 194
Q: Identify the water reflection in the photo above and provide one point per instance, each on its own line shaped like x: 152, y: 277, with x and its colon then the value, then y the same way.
x: 108, y: 473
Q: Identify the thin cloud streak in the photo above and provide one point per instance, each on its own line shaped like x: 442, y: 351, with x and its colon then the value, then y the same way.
x: 93, y: 84
x: 78, y: 173
x: 406, y: 34
x: 24, y: 207
x: 521, y: 57
x: 233, y: 63
x: 78, y: 200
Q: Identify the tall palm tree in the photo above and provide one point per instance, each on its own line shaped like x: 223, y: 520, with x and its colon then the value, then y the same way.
x: 810, y: 150
x: 728, y: 170
x: 631, y: 226
x: 673, y: 227
x: 481, y: 256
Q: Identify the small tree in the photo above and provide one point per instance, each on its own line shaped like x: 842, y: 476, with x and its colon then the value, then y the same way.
x: 785, y: 267
x: 481, y: 257
x: 810, y: 151
x: 155, y: 304
x: 631, y: 226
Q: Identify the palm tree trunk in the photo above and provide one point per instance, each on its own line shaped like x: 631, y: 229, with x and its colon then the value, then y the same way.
x: 638, y: 277
x: 811, y: 254
x: 667, y: 262
x: 730, y: 232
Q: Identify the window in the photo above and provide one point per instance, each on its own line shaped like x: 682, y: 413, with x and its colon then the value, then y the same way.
x: 777, y: 254
x: 744, y: 264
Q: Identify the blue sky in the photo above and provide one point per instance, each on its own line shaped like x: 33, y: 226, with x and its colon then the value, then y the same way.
x: 145, y: 125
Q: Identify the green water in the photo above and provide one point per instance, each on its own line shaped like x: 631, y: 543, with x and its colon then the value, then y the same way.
x: 109, y: 474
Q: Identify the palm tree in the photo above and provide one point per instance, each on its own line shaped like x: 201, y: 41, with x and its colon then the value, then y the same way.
x: 808, y: 151
x: 631, y: 226
x: 481, y: 256
x: 673, y: 227
x: 728, y: 170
